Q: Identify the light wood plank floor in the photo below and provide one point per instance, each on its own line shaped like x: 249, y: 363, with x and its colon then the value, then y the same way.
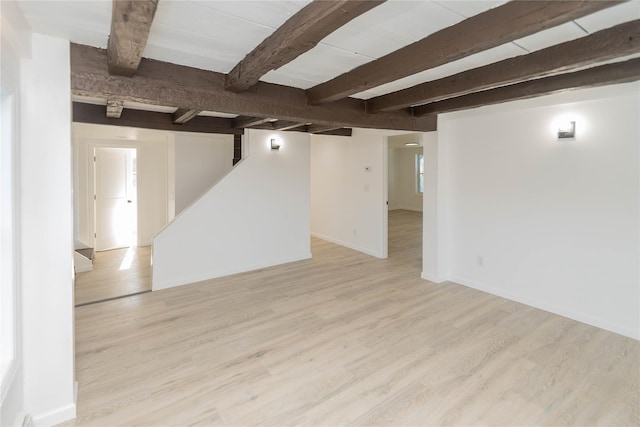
x: 347, y: 339
x: 115, y: 273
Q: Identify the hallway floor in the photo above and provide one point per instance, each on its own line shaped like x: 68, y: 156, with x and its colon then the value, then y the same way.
x: 115, y: 273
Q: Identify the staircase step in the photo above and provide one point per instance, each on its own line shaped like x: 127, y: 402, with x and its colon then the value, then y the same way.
x: 86, y: 252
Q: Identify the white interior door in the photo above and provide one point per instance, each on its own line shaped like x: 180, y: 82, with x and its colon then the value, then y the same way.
x: 115, y: 198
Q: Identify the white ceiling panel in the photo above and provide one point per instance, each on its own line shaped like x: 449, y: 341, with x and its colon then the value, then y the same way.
x: 560, y: 34
x: 468, y: 8
x: 183, y: 58
x: 216, y: 114
x: 499, y: 53
x: 218, y: 55
x: 609, y: 17
x: 390, y: 26
x: 271, y: 13
x: 288, y: 78
x: 321, y: 63
x: 190, y: 28
x: 84, y: 22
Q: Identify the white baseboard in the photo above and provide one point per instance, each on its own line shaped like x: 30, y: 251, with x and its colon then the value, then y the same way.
x: 83, y: 268
x: 22, y: 420
x: 434, y: 279
x: 82, y: 264
x: 348, y: 245
x: 187, y: 280
x: 551, y: 308
x: 54, y: 417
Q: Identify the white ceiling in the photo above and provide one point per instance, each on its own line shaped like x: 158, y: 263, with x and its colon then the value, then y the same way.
x: 215, y: 35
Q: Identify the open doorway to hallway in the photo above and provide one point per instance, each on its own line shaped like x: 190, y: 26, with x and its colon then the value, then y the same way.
x: 122, y: 195
x: 405, y: 186
x: 120, y: 266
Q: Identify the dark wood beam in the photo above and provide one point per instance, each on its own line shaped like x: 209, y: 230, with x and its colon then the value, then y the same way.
x: 247, y: 122
x: 604, y: 45
x: 286, y: 125
x: 486, y: 30
x: 171, y: 85
x: 130, y: 24
x: 237, y: 149
x: 114, y: 108
x: 620, y: 72
x: 313, y: 128
x: 88, y: 113
x: 183, y: 115
x: 299, y: 34
x: 337, y: 132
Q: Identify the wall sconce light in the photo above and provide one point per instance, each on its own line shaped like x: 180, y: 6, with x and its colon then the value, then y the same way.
x: 411, y: 144
x: 567, y: 130
x: 275, y: 145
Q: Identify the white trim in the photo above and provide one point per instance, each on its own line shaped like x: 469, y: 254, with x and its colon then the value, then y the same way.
x: 384, y: 250
x: 9, y: 96
x: 188, y: 280
x: 348, y: 245
x: 552, y: 308
x: 434, y: 279
x: 22, y: 420
x: 55, y: 416
x: 83, y: 268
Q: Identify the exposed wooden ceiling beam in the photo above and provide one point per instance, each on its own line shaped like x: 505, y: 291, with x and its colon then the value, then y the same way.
x: 337, y: 132
x: 88, y: 113
x: 486, y: 30
x: 114, y: 108
x: 171, y: 85
x: 313, y: 128
x: 299, y: 34
x: 247, y: 122
x: 620, y: 72
x: 183, y: 115
x: 286, y: 125
x: 615, y: 42
x: 130, y: 24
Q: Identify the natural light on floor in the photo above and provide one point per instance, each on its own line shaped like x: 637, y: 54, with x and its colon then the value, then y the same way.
x: 128, y: 259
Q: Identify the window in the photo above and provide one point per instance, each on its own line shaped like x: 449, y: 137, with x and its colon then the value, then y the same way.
x: 420, y: 173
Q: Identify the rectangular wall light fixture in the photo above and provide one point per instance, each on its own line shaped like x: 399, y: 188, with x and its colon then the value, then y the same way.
x: 567, y: 130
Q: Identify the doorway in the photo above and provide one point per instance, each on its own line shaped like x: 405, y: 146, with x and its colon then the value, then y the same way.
x: 120, y: 266
x: 115, y: 198
x: 405, y: 188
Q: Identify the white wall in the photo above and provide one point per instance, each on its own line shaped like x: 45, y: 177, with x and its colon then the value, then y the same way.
x: 554, y: 224
x: 46, y: 232
x: 348, y: 202
x: 256, y: 216
x: 403, y: 192
x: 15, y: 43
x: 435, y: 227
x: 201, y: 160
x: 154, y: 186
x: 174, y: 169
